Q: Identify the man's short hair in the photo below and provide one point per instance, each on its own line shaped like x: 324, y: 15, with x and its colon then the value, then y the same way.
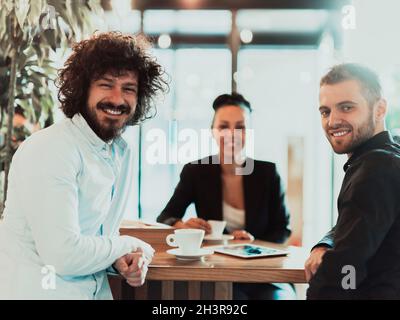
x: 115, y: 53
x: 368, y: 79
x: 234, y: 99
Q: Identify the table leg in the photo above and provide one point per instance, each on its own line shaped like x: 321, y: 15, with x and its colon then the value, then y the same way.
x: 194, y: 290
x: 223, y: 291
x: 142, y: 292
x: 167, y: 290
x: 127, y: 292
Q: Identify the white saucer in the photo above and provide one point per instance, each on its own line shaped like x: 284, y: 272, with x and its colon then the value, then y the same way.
x: 201, y: 253
x: 224, y: 237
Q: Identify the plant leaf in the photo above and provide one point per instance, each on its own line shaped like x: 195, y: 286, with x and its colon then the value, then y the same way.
x: 8, y: 4
x: 21, y: 11
x: 50, y: 36
x: 35, y: 11
x: 3, y: 23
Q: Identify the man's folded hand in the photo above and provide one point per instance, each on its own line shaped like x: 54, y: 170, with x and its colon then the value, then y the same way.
x: 133, y: 267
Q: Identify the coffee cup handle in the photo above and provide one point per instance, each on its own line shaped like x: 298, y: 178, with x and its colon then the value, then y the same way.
x: 171, y: 240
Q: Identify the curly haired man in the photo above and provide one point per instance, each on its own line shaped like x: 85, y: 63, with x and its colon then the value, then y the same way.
x: 69, y: 184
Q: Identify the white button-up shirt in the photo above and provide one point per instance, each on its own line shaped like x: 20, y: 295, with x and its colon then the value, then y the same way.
x: 68, y: 191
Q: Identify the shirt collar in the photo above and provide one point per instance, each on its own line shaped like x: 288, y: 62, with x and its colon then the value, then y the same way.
x: 378, y: 141
x: 93, y: 138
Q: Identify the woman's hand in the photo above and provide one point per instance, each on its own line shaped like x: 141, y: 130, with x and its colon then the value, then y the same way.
x: 242, y: 235
x: 194, y: 223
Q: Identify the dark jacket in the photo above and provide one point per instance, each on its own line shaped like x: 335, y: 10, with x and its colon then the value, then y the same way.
x: 266, y: 214
x: 367, y: 234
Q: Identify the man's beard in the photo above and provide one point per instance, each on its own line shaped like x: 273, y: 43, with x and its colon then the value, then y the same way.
x: 363, y: 133
x: 108, y: 129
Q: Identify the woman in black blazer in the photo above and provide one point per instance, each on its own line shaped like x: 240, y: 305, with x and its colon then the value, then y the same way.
x: 247, y: 193
x: 266, y: 215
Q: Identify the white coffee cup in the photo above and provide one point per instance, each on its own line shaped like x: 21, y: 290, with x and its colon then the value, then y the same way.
x: 188, y: 240
x: 217, y: 228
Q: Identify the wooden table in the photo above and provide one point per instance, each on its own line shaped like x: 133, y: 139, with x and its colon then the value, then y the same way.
x: 221, y: 271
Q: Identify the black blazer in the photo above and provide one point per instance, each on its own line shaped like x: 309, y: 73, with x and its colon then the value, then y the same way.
x: 266, y: 214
